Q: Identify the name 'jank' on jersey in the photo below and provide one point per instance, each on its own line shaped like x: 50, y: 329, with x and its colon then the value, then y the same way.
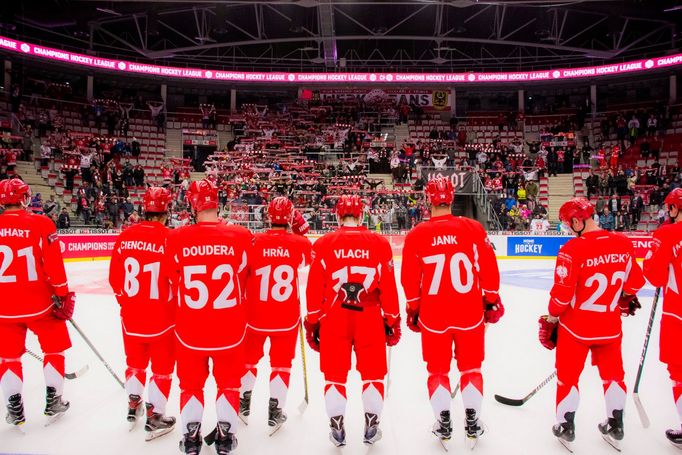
x: 444, y: 240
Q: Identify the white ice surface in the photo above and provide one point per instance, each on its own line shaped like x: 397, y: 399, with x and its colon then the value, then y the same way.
x: 515, y: 364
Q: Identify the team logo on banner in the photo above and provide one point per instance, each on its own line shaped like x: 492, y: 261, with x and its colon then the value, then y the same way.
x: 439, y: 99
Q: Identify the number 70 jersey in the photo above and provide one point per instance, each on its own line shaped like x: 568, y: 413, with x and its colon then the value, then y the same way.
x: 591, y: 273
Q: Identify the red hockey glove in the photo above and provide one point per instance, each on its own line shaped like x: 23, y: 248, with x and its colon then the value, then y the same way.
x: 393, y: 332
x: 548, y: 331
x: 64, y: 306
x: 299, y: 225
x: 628, y: 304
x: 312, y: 334
x: 492, y: 311
x: 413, y: 319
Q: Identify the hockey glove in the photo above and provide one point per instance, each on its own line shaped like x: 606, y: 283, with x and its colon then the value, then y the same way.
x: 64, y: 306
x: 393, y: 332
x: 312, y: 334
x: 299, y: 225
x: 492, y: 311
x: 548, y: 331
x: 413, y: 319
x: 628, y: 304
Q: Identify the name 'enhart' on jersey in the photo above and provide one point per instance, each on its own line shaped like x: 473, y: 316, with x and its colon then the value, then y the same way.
x: 142, y: 246
x: 11, y: 232
x: 351, y: 254
x: 278, y: 252
x: 444, y: 240
x: 208, y: 250
x: 608, y: 259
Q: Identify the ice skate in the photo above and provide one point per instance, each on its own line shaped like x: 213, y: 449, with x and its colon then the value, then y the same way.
x: 135, y: 410
x: 157, y: 424
x: 372, y: 430
x: 191, y: 442
x: 565, y: 432
x: 223, y: 441
x: 675, y: 438
x: 276, y: 416
x: 245, y: 407
x: 612, y: 429
x: 443, y: 428
x: 15, y: 411
x: 473, y: 428
x: 337, y: 433
x: 55, y: 407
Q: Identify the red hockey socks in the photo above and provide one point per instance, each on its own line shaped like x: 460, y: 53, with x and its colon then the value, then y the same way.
x: 335, y: 398
x: 614, y: 396
x: 191, y: 407
x: 567, y: 400
x: 373, y: 396
x: 249, y: 379
x: 227, y: 406
x: 53, y: 369
x: 676, y: 378
x: 159, y: 389
x: 279, y: 384
x: 11, y: 377
x: 439, y: 393
x: 136, y: 378
x: 471, y: 384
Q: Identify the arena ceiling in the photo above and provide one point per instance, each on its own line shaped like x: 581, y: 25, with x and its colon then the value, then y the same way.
x: 354, y: 35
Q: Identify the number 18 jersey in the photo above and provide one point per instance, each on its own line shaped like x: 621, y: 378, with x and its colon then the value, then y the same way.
x: 209, y: 264
x: 272, y: 295
x: 591, y: 273
x: 448, y: 265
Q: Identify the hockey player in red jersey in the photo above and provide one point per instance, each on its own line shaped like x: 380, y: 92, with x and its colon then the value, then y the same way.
x: 595, y: 281
x: 208, y: 263
x: 142, y: 288
x: 663, y: 268
x: 451, y: 283
x: 352, y: 305
x: 273, y: 304
x: 32, y: 276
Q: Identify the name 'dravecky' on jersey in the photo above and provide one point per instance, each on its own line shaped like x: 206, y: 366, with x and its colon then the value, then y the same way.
x: 607, y: 259
x: 142, y: 246
x: 351, y: 254
x: 444, y: 240
x: 278, y: 252
x: 207, y: 250
x: 10, y: 232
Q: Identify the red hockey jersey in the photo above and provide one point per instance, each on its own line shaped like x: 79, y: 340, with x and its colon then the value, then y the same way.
x: 351, y: 266
x: 208, y: 264
x: 591, y: 273
x: 272, y: 296
x: 448, y: 265
x: 32, y: 268
x: 663, y: 268
x: 139, y: 279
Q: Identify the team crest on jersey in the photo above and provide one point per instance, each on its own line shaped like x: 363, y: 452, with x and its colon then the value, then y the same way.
x: 562, y: 273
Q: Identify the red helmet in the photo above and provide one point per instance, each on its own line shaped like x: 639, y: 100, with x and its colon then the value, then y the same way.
x: 674, y: 198
x: 203, y: 195
x: 440, y: 191
x: 349, y: 205
x: 280, y: 211
x: 578, y: 207
x: 156, y: 200
x: 14, y: 192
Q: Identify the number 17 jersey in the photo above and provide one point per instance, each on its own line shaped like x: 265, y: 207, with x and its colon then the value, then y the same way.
x: 272, y: 293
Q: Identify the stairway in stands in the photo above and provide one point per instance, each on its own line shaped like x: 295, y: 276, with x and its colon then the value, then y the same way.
x: 560, y: 190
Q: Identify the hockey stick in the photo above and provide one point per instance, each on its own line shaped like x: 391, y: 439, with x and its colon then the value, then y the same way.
x: 304, y: 404
x: 519, y: 402
x: 55, y: 299
x: 74, y: 375
x: 643, y: 417
x: 388, y: 371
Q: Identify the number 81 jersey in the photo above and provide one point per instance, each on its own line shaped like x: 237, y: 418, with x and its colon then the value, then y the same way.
x: 208, y: 262
x: 141, y: 286
x: 272, y: 294
x: 591, y: 273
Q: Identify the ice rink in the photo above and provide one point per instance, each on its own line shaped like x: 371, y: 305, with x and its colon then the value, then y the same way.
x: 515, y: 364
